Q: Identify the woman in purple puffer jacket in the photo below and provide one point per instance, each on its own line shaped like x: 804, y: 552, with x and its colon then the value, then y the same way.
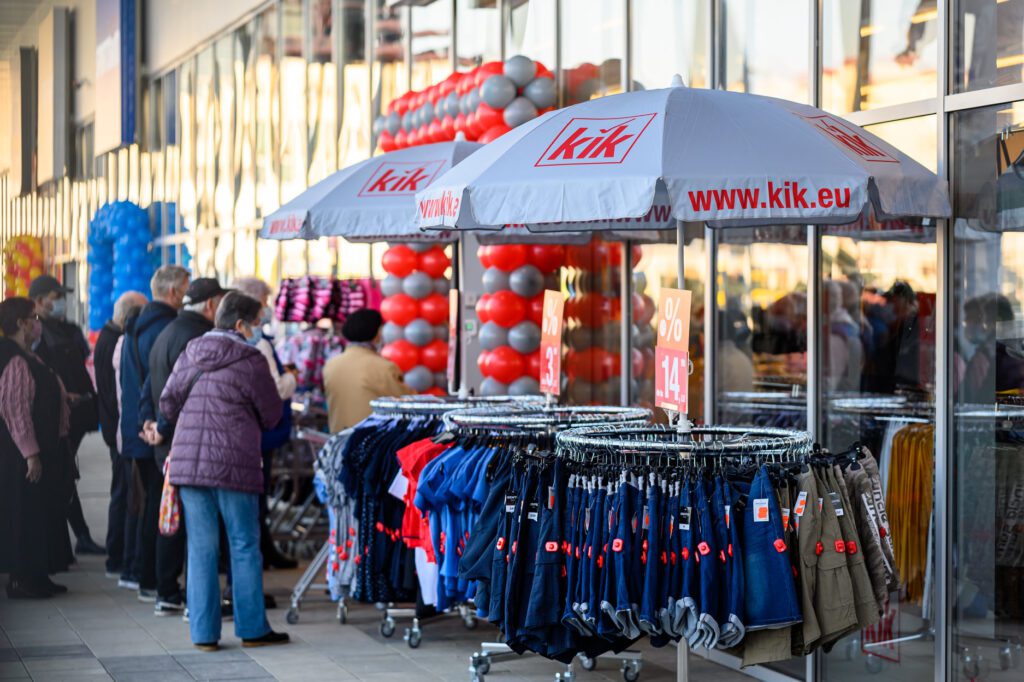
x: 220, y: 397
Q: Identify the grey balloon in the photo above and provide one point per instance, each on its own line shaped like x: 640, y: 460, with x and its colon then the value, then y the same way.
x: 524, y: 337
x: 639, y: 282
x: 519, y: 111
x: 498, y: 91
x: 451, y: 105
x: 581, y: 391
x: 524, y: 386
x: 393, y: 123
x: 419, y: 378
x: 407, y: 124
x: 520, y: 69
x: 391, y: 285
x: 492, y: 335
x: 418, y: 285
x: 419, y: 332
x: 378, y: 125
x: 427, y: 112
x: 542, y: 92
x: 464, y: 104
x: 441, y: 379
x: 527, y: 281
x: 391, y: 333
x: 441, y: 332
x: 580, y: 338
x: 442, y: 286
x: 473, y: 100
x: 645, y: 339
x: 495, y: 280
x: 491, y: 386
x: 420, y: 247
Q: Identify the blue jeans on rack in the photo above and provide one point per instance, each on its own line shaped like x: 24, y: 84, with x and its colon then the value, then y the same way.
x: 240, y: 511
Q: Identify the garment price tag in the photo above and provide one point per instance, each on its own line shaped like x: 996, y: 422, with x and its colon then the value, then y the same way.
x: 837, y: 502
x: 785, y: 518
x: 761, y: 510
x: 510, y: 504
x: 551, y: 343
x: 551, y: 497
x: 801, y: 504
x: 399, y: 486
x: 671, y: 356
x: 533, y: 511
x: 684, y: 518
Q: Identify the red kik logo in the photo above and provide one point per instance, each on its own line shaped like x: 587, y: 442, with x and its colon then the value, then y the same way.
x: 595, y: 141
x: 396, y: 178
x: 850, y: 137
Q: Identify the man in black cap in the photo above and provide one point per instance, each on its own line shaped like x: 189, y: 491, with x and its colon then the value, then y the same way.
x: 359, y: 375
x: 64, y: 349
x: 193, y: 320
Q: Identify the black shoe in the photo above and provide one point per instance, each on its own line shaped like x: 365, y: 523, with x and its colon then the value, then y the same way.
x: 269, y: 639
x: 272, y: 558
x: 53, y: 587
x: 86, y: 545
x: 169, y: 606
x: 20, y: 589
x: 268, y: 601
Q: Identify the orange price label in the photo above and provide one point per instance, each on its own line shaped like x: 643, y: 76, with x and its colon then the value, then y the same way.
x: 551, y: 343
x: 453, y: 334
x: 674, y: 319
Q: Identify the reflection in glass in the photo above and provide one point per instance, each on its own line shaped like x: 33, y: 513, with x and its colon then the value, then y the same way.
x: 268, y: 196
x: 669, y: 37
x: 293, y: 102
x: 390, y: 79
x: 915, y: 137
x: 321, y: 92
x: 354, y: 84
x: 878, y: 369
x: 224, y: 105
x: 989, y: 390
x: 431, y: 43
x: 531, y: 31
x: 592, y: 47
x: 206, y: 139
x: 989, y: 43
x: 757, y: 59
x: 877, y: 53
x: 477, y: 33
x: 761, y: 318
x: 244, y: 132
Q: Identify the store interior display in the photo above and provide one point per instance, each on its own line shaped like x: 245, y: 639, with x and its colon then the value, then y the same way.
x: 311, y: 299
x: 23, y: 262
x: 415, y: 312
x: 119, y: 257
x: 308, y: 350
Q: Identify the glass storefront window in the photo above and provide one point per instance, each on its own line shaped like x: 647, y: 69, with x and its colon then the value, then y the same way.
x: 224, y: 107
x: 268, y: 196
x: 915, y: 137
x: 293, y: 140
x: 531, y: 31
x: 353, y: 84
x: 321, y: 92
x: 592, y: 45
x: 988, y: 48
x: 877, y: 53
x: 477, y: 34
x: 186, y: 156
x: 988, y: 455
x: 244, y: 133
x: 761, y: 325
x: 390, y: 78
x: 757, y: 59
x: 669, y: 37
x: 431, y: 43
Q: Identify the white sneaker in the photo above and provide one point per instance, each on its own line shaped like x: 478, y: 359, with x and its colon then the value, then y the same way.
x: 126, y: 584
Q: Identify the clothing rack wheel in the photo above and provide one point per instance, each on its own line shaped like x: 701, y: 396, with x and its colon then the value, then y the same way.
x: 306, y: 582
x: 413, y: 635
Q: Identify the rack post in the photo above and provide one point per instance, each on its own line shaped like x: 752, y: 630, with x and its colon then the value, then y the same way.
x: 683, y: 650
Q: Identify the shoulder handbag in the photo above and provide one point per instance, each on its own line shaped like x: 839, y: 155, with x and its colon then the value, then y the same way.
x: 170, y: 502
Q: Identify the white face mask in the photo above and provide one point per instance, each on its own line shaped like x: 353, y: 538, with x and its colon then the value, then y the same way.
x: 59, y: 308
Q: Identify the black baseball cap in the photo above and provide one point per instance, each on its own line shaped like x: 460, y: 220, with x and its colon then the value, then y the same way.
x: 44, y: 284
x: 203, y: 289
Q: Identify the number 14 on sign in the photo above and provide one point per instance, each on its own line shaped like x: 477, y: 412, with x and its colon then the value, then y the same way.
x: 672, y: 377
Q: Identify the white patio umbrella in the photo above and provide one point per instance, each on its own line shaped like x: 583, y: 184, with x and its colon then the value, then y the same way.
x: 369, y: 201
x: 724, y: 158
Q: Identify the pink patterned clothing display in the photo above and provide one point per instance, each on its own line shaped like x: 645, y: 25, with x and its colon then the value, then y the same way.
x: 17, y: 391
x: 309, y: 351
x: 311, y: 299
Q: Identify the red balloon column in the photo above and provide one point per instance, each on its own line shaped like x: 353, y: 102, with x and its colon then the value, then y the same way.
x: 415, y: 312
x: 509, y: 314
x: 482, y: 104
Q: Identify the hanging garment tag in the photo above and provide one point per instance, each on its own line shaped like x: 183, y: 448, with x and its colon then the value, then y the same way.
x: 785, y: 518
x: 728, y: 516
x: 533, y: 512
x: 647, y: 520
x: 801, y: 504
x: 399, y: 486
x: 821, y: 501
x: 837, y: 502
x: 510, y: 503
x: 586, y: 520
x: 551, y: 497
x: 684, y: 518
x: 761, y: 510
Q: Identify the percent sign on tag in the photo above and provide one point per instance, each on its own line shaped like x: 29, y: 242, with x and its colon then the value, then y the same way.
x: 671, y: 356
x: 551, y: 343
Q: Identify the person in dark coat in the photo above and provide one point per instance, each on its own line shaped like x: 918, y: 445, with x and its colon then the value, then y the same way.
x: 128, y: 305
x: 36, y: 476
x: 168, y: 285
x: 194, y: 320
x: 64, y: 349
x: 218, y: 399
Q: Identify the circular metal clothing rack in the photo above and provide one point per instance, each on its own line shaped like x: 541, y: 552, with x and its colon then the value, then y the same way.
x: 427, y: 405
x: 532, y: 418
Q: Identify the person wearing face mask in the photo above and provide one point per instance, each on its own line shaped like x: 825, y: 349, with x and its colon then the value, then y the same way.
x: 169, y: 285
x: 35, y: 463
x: 360, y: 374
x: 278, y: 436
x: 63, y: 347
x: 194, y: 319
x: 219, y: 398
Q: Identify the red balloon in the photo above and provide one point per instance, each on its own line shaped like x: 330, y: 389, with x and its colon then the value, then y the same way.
x: 649, y: 368
x: 436, y: 390
x: 434, y: 309
x: 434, y: 262
x: 638, y: 308
x: 615, y: 255
x: 533, y: 365
x: 506, y: 308
x: 593, y: 310
x: 399, y: 261
x: 649, y: 310
x: 434, y: 94
x: 435, y: 132
x: 387, y: 142
x: 535, y: 309
x: 434, y: 355
x: 401, y: 140
x: 412, y: 138
x: 638, y: 362
x: 508, y: 257
x: 506, y: 364
x: 483, y: 254
x: 493, y: 133
x: 482, y: 361
x: 400, y: 309
x: 460, y: 124
x: 402, y: 353
x: 465, y: 83
x: 447, y: 86
x: 401, y: 104
x: 473, y: 127
x: 486, y: 70
x: 543, y: 71
x: 593, y: 364
x: 448, y: 127
x: 546, y: 257
x: 488, y: 116
x: 638, y: 253
x: 482, y: 313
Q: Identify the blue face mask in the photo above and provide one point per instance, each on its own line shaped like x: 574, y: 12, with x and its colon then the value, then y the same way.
x: 257, y: 334
x: 60, y: 308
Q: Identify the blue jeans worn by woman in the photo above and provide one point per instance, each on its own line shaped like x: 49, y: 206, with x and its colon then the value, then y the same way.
x: 240, y: 512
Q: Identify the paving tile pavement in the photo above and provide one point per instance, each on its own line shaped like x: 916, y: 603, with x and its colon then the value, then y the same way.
x: 100, y: 632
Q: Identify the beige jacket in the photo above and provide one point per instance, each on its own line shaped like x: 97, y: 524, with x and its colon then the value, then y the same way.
x: 353, y: 379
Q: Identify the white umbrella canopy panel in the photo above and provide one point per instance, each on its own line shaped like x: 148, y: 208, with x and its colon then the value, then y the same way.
x: 369, y: 201
x: 723, y: 158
